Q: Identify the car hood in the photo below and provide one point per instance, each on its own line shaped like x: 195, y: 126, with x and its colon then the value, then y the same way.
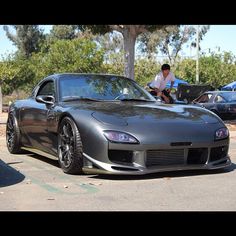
x: 127, y: 114
x: 155, y: 122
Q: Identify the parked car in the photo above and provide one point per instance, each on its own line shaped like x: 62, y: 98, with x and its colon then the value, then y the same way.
x: 189, y: 92
x: 222, y: 103
x: 94, y: 123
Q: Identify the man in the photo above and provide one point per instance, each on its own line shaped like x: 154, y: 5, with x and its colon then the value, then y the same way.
x: 160, y: 81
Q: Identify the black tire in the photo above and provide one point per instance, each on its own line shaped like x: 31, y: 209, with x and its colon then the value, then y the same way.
x: 13, y: 135
x: 70, y: 151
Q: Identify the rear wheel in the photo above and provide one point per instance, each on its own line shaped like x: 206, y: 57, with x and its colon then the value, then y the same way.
x: 13, y: 135
x: 70, y: 152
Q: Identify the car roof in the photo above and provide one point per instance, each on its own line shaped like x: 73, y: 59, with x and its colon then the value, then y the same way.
x: 103, y: 74
x: 220, y: 92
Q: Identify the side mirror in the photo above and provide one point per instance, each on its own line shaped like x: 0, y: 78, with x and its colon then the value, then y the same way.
x: 46, y: 99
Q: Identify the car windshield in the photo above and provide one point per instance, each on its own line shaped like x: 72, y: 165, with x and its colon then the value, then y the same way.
x: 100, y: 88
x: 229, y: 96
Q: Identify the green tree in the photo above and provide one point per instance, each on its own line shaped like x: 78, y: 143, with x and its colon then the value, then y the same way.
x: 111, y: 43
x: 77, y: 55
x: 130, y: 34
x: 150, y: 42
x: 26, y: 38
x: 170, y: 41
x: 15, y: 73
x: 217, y: 70
x: 145, y: 70
x: 186, y: 69
x: 114, y: 63
x: 63, y: 32
x: 7, y: 74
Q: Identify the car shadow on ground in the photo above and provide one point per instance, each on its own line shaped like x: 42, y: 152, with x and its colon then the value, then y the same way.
x: 9, y: 175
x: 167, y: 175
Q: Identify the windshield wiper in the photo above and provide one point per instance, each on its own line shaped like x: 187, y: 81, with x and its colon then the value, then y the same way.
x: 135, y: 99
x: 69, y: 99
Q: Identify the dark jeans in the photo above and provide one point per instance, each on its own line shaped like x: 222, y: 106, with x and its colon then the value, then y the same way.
x: 168, y: 95
x: 153, y: 92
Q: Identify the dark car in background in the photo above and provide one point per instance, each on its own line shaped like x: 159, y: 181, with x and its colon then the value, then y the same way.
x: 189, y: 92
x: 222, y: 103
x: 95, y: 123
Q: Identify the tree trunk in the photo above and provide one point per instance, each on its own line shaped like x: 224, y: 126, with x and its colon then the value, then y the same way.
x: 129, y: 44
x: 0, y: 99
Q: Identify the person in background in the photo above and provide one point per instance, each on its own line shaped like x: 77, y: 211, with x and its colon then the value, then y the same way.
x: 160, y: 81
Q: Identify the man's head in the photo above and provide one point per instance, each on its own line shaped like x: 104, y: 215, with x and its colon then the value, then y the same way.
x: 165, y: 69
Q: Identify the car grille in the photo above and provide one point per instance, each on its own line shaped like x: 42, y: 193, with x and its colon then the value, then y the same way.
x: 165, y: 157
x: 194, y: 156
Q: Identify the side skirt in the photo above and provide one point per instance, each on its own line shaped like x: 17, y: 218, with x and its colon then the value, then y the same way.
x: 41, y: 153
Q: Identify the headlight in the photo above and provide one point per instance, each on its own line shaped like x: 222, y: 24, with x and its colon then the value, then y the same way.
x: 221, y: 133
x: 119, y: 137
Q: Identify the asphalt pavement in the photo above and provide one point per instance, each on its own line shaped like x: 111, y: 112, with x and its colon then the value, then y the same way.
x: 34, y: 183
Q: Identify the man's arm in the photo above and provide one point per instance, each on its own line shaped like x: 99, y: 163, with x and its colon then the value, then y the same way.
x: 157, y: 90
x: 155, y: 84
x: 171, y: 84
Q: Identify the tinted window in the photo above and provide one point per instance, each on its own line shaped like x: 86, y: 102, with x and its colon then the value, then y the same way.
x: 229, y: 96
x: 101, y: 87
x: 219, y: 99
x: 204, y: 98
x: 47, y: 89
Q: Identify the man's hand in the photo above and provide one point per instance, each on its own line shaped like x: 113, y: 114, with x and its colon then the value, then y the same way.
x: 168, y: 90
x: 166, y: 99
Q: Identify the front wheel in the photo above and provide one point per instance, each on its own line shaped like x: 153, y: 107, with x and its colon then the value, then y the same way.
x: 13, y: 135
x: 70, y: 152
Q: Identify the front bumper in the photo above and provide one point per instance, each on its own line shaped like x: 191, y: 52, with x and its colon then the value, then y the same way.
x: 152, y: 160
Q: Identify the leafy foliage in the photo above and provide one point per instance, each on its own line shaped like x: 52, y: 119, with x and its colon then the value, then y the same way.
x: 130, y: 34
x: 114, y: 64
x: 27, y: 38
x: 146, y: 70
x: 216, y: 70
x: 103, y: 52
x: 63, y: 32
x: 169, y: 41
x: 96, y: 29
x: 77, y: 55
x: 15, y: 73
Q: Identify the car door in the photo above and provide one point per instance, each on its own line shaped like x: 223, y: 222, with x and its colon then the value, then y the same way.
x: 221, y: 104
x: 208, y: 101
x: 34, y: 118
x: 205, y: 100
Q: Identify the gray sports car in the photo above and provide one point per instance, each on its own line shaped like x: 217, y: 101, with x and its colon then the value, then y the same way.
x: 95, y: 123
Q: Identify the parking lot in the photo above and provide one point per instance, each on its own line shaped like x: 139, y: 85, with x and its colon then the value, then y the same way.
x: 35, y: 183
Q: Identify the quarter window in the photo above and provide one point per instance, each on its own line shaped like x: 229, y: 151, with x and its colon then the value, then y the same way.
x: 219, y: 99
x: 47, y: 89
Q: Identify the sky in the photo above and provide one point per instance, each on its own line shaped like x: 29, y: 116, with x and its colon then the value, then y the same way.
x: 6, y: 46
x: 223, y: 36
